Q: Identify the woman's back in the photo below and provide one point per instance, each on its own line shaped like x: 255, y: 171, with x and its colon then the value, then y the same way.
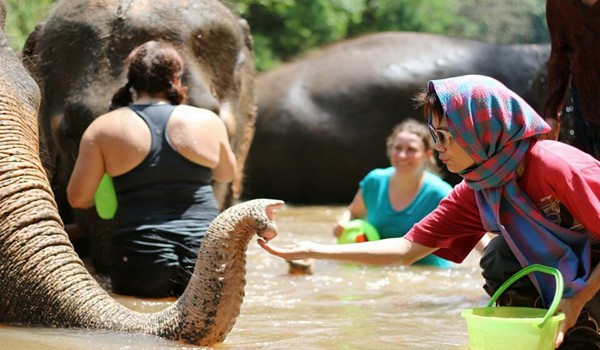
x: 163, y: 156
x: 165, y: 186
x: 125, y: 139
x: 119, y: 141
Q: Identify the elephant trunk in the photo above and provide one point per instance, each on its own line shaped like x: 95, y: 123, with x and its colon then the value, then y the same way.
x: 43, y: 281
x: 216, y: 290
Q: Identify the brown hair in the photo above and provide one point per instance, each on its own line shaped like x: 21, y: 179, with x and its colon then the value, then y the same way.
x: 422, y: 131
x: 432, y: 107
x: 152, y: 67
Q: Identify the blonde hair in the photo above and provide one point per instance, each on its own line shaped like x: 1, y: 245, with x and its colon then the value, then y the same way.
x: 422, y: 131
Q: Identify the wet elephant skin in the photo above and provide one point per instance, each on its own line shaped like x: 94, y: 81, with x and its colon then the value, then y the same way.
x: 76, y: 56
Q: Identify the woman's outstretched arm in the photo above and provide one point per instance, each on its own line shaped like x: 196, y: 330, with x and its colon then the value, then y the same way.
x: 393, y: 251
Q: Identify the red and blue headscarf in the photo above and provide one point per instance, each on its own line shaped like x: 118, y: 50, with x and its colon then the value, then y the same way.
x: 496, y: 127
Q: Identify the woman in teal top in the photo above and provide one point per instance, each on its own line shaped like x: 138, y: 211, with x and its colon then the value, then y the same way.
x: 395, y: 198
x: 375, y: 188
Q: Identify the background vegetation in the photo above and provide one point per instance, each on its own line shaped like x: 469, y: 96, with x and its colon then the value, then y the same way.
x: 23, y: 16
x: 284, y: 29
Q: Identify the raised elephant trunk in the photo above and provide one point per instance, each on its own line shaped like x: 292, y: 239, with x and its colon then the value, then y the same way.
x: 43, y: 282
x: 216, y: 290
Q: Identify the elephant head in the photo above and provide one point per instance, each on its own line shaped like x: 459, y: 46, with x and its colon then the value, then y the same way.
x: 76, y: 55
x: 43, y: 281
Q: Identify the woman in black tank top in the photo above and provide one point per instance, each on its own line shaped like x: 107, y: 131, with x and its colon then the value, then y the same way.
x: 162, y: 156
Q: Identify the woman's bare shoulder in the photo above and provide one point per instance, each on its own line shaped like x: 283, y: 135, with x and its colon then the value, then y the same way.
x: 118, y: 119
x: 111, y: 116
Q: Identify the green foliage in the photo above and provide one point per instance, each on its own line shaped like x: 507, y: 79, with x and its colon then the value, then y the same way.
x: 23, y: 16
x: 433, y: 16
x: 284, y: 29
x: 504, y: 22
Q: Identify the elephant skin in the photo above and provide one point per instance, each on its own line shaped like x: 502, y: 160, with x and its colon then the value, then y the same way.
x: 323, y: 119
x: 43, y: 281
x: 76, y: 55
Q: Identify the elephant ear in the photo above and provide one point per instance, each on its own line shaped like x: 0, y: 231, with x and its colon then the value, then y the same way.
x: 29, y: 53
x: 248, y: 41
x: 3, y: 8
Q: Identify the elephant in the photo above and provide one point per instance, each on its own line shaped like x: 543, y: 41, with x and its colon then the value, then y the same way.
x: 44, y: 282
x: 323, y: 119
x: 76, y: 55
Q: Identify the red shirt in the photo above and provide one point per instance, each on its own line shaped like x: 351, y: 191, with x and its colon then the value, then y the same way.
x: 562, y: 181
x: 575, y: 38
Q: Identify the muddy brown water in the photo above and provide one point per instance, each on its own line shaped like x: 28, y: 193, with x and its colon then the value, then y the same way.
x: 340, y: 306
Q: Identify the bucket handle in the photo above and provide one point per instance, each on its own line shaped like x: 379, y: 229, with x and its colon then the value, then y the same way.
x: 535, y: 268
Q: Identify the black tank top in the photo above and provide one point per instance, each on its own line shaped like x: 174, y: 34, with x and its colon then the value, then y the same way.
x: 165, y: 191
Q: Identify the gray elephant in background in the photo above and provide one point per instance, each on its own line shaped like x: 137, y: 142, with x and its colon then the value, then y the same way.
x: 323, y: 119
x: 76, y: 55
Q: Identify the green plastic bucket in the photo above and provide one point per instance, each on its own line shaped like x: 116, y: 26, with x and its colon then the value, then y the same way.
x: 357, y: 231
x: 515, y: 328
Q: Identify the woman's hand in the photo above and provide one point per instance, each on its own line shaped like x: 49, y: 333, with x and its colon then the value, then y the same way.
x: 338, y: 228
x: 302, y: 250
x: 342, y: 221
x: 356, y: 210
x: 571, y: 307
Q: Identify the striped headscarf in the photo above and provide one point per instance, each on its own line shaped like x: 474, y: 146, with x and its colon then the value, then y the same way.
x: 496, y: 127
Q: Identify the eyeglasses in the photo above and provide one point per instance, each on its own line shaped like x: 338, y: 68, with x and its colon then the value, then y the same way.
x: 443, y: 136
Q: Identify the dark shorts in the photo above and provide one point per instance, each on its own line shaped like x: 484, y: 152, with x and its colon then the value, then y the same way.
x: 499, y: 264
x: 152, y: 264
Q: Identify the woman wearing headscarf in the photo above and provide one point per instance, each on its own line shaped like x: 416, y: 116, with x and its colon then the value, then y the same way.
x: 541, y: 198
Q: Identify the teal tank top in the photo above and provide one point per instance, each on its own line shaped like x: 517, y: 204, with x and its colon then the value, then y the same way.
x: 391, y: 223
